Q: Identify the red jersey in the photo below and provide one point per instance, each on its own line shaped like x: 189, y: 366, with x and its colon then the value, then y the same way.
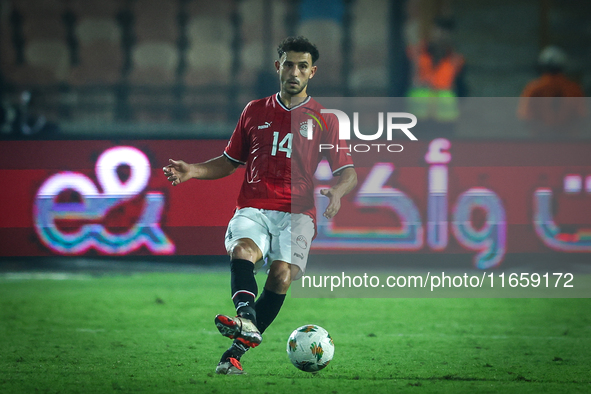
x: 271, y: 140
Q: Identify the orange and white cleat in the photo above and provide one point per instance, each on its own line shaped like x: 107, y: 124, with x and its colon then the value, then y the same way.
x: 230, y: 367
x: 239, y: 328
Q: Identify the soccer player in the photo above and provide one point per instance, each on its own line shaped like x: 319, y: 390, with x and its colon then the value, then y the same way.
x: 274, y: 221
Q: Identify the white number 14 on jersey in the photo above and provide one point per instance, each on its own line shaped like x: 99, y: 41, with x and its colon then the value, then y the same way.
x: 283, y: 146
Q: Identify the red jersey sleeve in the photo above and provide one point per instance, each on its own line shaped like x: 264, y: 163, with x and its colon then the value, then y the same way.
x: 340, y: 158
x: 237, y: 148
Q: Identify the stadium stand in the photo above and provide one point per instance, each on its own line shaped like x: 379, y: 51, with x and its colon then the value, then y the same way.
x: 181, y: 61
x: 155, y: 60
x: 209, y: 60
x: 321, y: 23
x: 46, y: 58
x: 38, y: 57
x: 369, y: 75
x: 99, y: 45
x: 99, y: 60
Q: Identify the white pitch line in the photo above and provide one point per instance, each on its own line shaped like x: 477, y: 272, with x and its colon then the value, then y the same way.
x: 90, y: 330
x: 489, y: 336
x: 43, y: 276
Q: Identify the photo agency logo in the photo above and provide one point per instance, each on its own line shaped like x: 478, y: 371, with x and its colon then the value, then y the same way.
x: 371, y: 141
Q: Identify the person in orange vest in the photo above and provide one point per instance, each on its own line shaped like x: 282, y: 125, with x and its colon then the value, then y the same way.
x: 552, y: 105
x: 437, y: 81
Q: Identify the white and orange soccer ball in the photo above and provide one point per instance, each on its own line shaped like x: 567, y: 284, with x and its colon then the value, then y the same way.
x: 310, y: 348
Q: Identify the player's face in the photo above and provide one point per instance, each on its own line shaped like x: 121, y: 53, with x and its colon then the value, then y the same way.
x: 295, y: 69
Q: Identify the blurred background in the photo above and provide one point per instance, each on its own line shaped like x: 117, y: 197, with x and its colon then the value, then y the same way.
x: 186, y: 68
x: 136, y: 82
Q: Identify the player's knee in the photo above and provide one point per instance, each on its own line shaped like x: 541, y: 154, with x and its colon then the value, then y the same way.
x: 243, y: 250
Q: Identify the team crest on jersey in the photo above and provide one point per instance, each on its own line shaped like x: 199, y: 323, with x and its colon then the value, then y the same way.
x: 304, y: 128
x: 314, y: 115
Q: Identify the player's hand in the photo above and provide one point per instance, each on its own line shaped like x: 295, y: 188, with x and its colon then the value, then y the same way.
x: 334, y: 203
x: 177, y: 171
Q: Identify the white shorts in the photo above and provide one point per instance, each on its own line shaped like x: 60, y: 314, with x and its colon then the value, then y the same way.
x: 279, y: 235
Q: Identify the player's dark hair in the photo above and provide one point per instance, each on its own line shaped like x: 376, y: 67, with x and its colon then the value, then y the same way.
x: 298, y: 44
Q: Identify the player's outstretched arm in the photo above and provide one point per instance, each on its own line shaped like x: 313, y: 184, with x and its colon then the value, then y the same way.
x: 346, y: 183
x: 177, y: 171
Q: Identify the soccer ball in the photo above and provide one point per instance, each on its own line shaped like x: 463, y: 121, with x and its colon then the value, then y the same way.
x: 310, y: 348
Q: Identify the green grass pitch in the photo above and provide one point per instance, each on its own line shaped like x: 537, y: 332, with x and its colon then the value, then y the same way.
x: 154, y: 333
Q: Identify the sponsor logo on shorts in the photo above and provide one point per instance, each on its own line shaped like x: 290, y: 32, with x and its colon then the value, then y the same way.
x: 302, y: 242
x: 229, y: 235
x: 300, y: 255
